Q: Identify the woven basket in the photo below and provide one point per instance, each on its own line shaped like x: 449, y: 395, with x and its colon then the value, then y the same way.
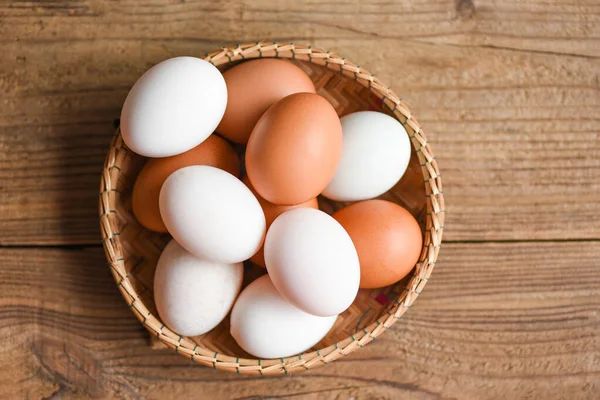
x: 133, y: 251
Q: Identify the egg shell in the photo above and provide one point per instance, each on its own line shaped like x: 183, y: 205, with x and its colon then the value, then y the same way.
x: 254, y: 86
x: 375, y: 155
x: 214, y: 151
x: 294, y: 149
x: 266, y: 325
x: 212, y: 214
x: 312, y: 261
x: 173, y: 107
x: 387, y: 237
x: 193, y: 295
x: 271, y: 212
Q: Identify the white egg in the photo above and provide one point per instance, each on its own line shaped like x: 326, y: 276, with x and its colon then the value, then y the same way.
x: 312, y: 261
x: 375, y: 155
x: 212, y: 214
x: 267, y: 326
x: 173, y: 107
x: 194, y: 295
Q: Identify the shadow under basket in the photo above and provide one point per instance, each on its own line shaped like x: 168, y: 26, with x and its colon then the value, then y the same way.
x: 133, y: 251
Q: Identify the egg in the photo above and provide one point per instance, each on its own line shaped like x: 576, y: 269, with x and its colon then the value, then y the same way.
x: 387, y: 237
x: 214, y: 151
x: 267, y: 326
x: 252, y: 87
x: 212, y: 214
x: 193, y: 295
x: 173, y: 107
x: 312, y: 261
x: 375, y: 155
x: 294, y: 149
x: 271, y: 212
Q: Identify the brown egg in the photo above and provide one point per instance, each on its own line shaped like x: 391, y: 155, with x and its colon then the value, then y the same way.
x: 273, y: 211
x: 294, y: 149
x: 387, y: 238
x: 214, y: 151
x: 253, y: 87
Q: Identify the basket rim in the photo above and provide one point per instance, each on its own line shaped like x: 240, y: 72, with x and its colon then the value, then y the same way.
x: 431, y: 244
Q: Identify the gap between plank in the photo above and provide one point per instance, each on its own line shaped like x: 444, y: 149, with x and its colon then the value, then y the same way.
x: 82, y: 246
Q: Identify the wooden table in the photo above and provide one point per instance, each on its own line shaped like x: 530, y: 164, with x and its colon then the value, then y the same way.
x: 509, y: 94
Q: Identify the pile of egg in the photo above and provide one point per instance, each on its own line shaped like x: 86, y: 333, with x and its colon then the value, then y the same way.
x: 221, y: 211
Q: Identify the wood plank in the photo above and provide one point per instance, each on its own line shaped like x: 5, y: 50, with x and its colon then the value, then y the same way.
x: 532, y: 25
x: 496, y: 321
x: 515, y: 133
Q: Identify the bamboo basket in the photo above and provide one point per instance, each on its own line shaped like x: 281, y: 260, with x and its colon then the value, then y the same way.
x: 133, y: 251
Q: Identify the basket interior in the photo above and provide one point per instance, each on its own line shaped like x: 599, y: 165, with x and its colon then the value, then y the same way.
x: 141, y: 248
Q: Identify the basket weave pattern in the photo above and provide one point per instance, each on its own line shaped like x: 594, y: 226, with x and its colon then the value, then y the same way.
x: 132, y: 251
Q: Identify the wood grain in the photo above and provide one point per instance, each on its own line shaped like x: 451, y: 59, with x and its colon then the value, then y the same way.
x: 509, y: 94
x: 557, y: 27
x: 515, y: 132
x: 527, y: 330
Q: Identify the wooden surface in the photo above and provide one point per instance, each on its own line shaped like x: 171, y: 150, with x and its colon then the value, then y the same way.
x: 509, y: 93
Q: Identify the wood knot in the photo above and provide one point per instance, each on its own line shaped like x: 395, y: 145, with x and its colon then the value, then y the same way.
x: 69, y: 366
x: 465, y: 9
